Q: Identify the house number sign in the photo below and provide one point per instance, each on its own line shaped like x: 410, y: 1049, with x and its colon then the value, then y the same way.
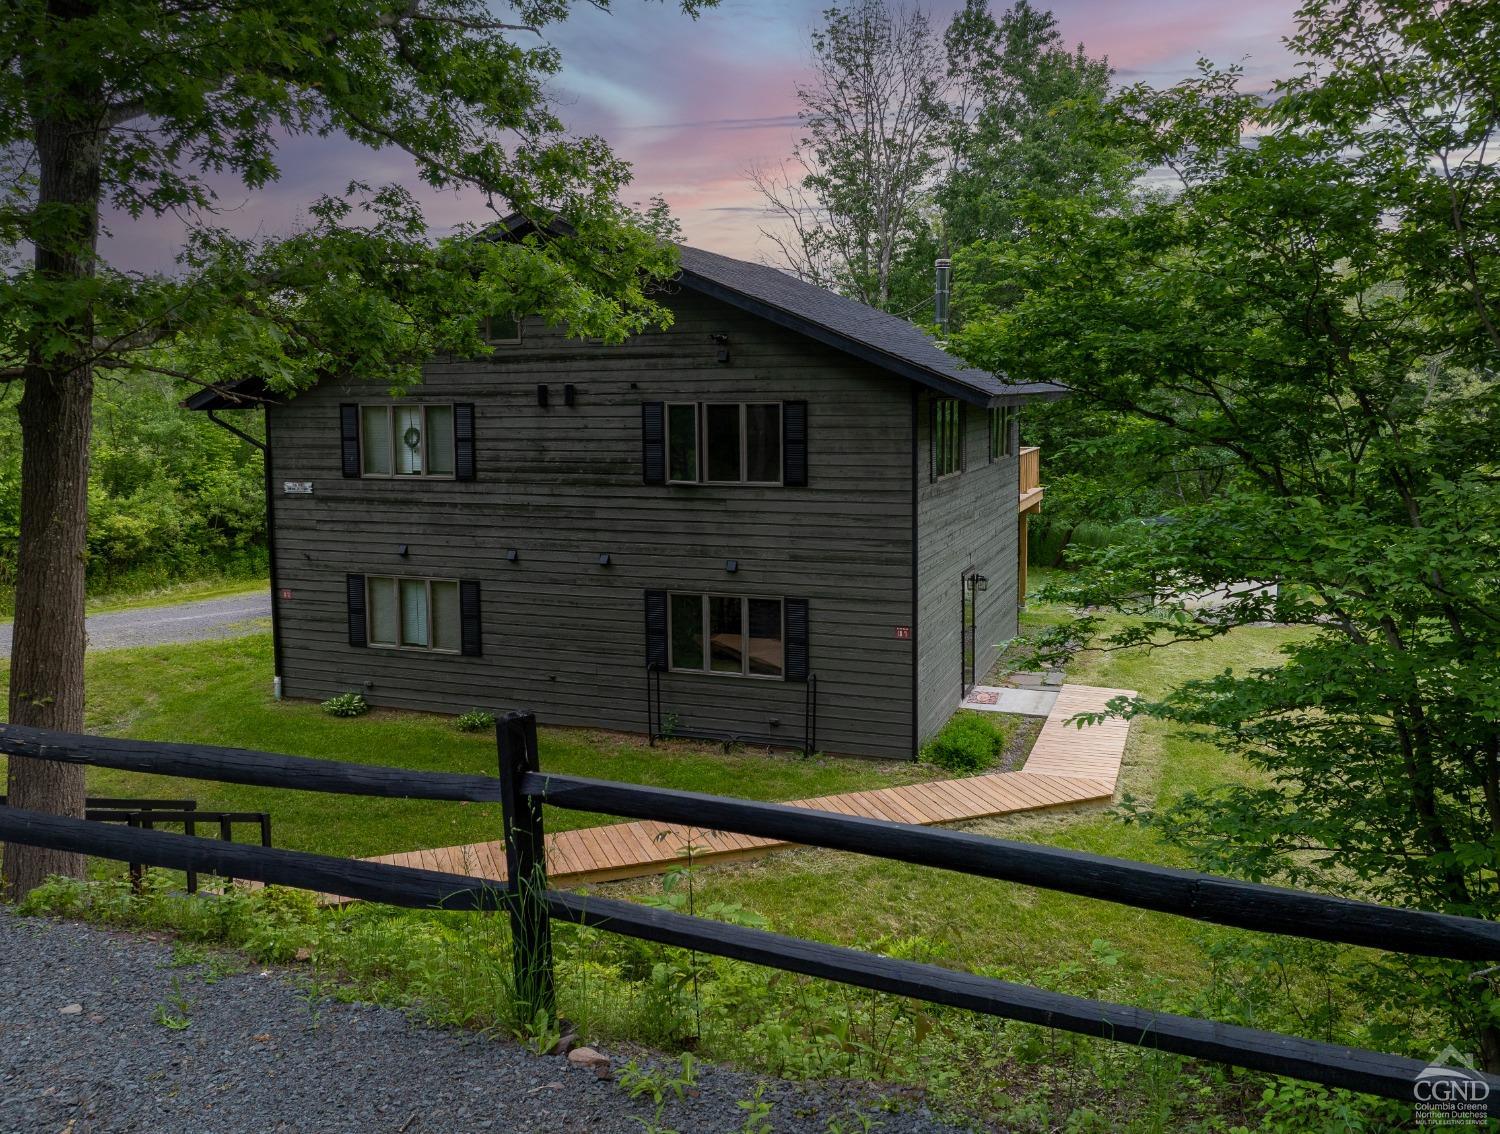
x: 297, y: 487
x: 904, y: 633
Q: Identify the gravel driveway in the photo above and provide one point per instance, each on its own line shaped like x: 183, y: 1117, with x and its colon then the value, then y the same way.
x: 179, y: 622
x: 82, y: 1050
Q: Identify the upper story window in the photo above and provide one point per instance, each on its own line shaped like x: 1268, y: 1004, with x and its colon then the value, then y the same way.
x: 414, y: 614
x: 724, y: 443
x: 406, y: 440
x: 947, y: 437
x: 728, y: 634
x: 1002, y: 426
x: 501, y: 330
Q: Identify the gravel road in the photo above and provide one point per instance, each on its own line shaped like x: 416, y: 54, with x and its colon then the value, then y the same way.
x: 179, y: 622
x: 82, y: 1050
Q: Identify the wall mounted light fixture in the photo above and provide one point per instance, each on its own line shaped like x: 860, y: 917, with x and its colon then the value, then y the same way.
x: 604, y: 559
x: 512, y: 555
x: 731, y: 565
x: 541, y: 396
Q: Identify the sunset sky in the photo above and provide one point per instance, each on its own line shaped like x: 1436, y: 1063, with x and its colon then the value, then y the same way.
x: 693, y: 103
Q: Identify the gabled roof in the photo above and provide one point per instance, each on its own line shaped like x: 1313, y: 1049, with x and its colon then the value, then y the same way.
x: 874, y: 336
x: 867, y: 333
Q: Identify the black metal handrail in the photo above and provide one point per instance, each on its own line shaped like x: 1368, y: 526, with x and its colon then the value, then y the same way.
x: 655, y: 729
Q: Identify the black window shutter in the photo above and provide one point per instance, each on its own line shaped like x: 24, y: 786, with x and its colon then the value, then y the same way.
x: 656, y: 629
x: 463, y: 441
x: 349, y: 439
x: 1013, y: 442
x: 794, y: 444
x: 795, y: 646
x: 355, y: 585
x: 468, y: 618
x: 654, y: 441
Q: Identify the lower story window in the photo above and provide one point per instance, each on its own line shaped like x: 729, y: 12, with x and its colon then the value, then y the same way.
x: 414, y: 614
x: 730, y: 634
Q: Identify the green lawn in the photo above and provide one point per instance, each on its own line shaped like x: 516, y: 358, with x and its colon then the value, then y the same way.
x: 1025, y: 932
x: 220, y: 693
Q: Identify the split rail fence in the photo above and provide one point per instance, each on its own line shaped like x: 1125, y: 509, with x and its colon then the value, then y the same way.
x: 522, y: 788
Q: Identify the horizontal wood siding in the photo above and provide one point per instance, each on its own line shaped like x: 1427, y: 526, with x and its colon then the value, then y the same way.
x: 963, y: 521
x: 562, y: 485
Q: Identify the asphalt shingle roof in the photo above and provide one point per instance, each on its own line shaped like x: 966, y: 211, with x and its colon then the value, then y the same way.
x: 867, y: 332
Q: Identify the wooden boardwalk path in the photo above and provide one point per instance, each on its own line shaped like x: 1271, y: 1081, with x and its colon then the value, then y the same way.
x: 1067, y: 765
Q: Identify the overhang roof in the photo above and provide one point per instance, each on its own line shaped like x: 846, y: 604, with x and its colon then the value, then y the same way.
x: 864, y: 332
x: 868, y: 333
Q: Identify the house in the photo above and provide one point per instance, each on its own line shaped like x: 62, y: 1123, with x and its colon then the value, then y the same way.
x: 790, y: 519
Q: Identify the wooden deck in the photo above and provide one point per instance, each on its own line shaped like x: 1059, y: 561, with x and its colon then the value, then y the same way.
x: 1068, y: 765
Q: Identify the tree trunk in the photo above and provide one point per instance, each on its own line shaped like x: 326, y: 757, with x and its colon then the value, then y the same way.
x: 56, y: 412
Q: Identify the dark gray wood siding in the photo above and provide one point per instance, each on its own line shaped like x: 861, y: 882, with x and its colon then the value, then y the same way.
x: 964, y: 522
x: 566, y: 636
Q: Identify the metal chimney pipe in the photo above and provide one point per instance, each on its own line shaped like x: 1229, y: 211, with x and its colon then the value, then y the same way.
x: 940, y: 294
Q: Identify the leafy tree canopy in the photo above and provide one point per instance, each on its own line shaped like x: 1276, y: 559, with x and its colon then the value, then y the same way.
x: 1314, y: 309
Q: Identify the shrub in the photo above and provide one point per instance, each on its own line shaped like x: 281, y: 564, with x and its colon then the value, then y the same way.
x: 346, y: 705
x: 475, y: 720
x: 968, y: 743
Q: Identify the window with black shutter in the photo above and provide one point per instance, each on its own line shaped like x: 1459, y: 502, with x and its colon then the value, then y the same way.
x: 728, y: 635
x: 470, y: 636
x: 654, y: 442
x: 797, y: 659
x: 355, y: 589
x: 463, y: 441
x: 404, y: 613
x: 656, y: 629
x: 349, y: 439
x: 794, y: 444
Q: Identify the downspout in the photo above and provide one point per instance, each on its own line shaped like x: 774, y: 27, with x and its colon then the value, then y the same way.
x: 265, y: 450
x: 916, y: 630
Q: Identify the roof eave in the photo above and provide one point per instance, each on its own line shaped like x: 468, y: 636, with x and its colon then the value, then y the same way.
x: 246, y: 393
x: 942, y: 383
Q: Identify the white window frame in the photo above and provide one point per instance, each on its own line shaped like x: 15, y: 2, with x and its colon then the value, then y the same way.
x: 431, y: 629
x: 390, y: 430
x: 703, y: 597
x: 700, y: 442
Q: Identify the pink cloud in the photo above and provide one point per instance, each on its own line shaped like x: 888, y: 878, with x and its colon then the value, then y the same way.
x: 692, y: 104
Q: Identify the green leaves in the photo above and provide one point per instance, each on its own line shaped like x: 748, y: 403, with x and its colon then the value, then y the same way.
x: 1310, y: 315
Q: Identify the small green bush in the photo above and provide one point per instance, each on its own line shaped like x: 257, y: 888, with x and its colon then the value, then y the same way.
x: 968, y: 743
x: 346, y: 705
x: 475, y: 720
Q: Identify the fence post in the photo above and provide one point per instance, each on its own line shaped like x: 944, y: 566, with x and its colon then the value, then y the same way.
x: 526, y: 866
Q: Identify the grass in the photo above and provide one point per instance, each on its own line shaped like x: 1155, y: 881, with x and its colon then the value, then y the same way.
x: 453, y: 968
x: 1023, y: 931
x: 219, y: 693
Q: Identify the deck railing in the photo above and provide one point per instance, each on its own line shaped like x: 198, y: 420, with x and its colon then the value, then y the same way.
x: 1030, y: 468
x: 522, y: 788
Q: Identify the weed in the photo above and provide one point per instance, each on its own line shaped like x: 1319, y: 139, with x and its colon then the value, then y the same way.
x: 173, y: 1014
x: 757, y: 1110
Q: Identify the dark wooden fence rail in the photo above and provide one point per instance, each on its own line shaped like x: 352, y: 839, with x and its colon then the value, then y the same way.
x: 522, y: 790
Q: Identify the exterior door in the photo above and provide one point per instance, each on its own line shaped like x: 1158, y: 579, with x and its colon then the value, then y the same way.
x: 967, y: 585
